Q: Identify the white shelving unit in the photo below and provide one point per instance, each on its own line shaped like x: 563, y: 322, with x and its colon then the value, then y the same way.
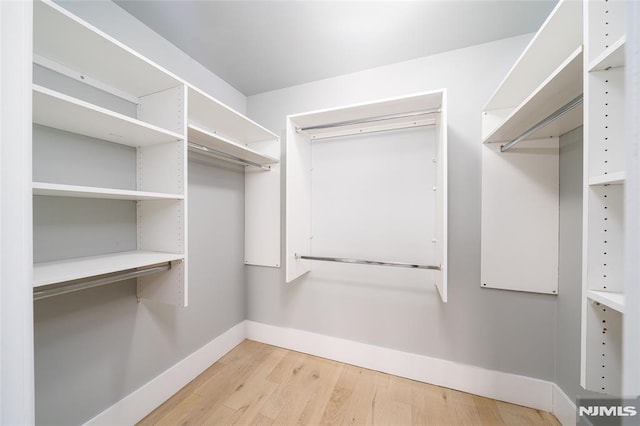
x: 423, y: 109
x: 170, y: 115
x: 546, y: 76
x: 521, y: 185
x: 604, y: 177
x: 228, y: 135
x: 67, y: 45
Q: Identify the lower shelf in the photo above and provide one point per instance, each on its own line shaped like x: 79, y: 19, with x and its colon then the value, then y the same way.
x: 611, y: 299
x: 72, y: 269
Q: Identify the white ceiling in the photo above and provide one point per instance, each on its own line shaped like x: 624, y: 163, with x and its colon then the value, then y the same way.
x: 258, y: 46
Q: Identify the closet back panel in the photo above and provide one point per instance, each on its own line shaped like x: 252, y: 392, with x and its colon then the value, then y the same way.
x: 372, y: 198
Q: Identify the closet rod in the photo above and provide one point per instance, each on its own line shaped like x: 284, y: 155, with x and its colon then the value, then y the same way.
x: 544, y: 123
x: 96, y: 281
x: 369, y: 120
x: 226, y: 157
x: 370, y: 262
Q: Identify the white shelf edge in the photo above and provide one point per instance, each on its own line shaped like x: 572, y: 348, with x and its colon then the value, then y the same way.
x: 613, y: 300
x: 612, y: 57
x: 46, y: 273
x: 575, y: 56
x: 616, y: 178
x: 169, y: 79
x: 211, y: 140
x: 267, y: 135
x: 61, y: 190
x: 558, y: 14
x: 166, y: 135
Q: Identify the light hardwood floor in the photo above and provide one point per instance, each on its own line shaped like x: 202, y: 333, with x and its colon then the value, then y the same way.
x: 258, y: 384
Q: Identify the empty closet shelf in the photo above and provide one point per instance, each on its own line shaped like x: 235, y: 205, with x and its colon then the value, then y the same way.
x: 207, y: 141
x: 83, y: 267
x: 370, y: 262
x: 75, y: 191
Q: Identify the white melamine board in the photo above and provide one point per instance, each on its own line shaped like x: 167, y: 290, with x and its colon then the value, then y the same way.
x: 616, y: 178
x: 207, y: 113
x: 61, y: 37
x: 168, y: 287
x: 262, y: 216
x: 605, y: 147
x: 608, y: 298
x: 162, y: 168
x: 441, y: 234
x: 297, y: 203
x: 605, y: 237
x: 399, y: 105
x: 560, y: 35
x: 520, y: 217
x: 612, y: 57
x: 53, y: 109
x: 162, y: 225
x: 166, y: 109
x: 562, y: 86
x: 603, y: 349
x: 378, y: 126
x: 605, y: 20
x: 73, y: 269
x: 58, y: 190
x: 210, y: 140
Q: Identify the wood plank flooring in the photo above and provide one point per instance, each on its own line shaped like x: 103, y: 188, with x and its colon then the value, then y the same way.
x: 258, y: 384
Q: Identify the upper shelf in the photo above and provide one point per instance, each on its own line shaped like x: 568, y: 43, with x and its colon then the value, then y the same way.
x: 66, y: 40
x: 562, y: 86
x: 559, y: 36
x: 63, y: 112
x: 212, y: 116
x: 612, y: 57
x: 225, y: 146
x: 406, y: 111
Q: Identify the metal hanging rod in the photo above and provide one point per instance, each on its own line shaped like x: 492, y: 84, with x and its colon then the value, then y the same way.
x: 370, y: 262
x: 226, y: 157
x: 96, y: 281
x: 544, y: 123
x: 369, y: 120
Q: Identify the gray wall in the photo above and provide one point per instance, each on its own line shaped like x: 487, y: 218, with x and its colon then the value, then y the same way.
x: 501, y: 330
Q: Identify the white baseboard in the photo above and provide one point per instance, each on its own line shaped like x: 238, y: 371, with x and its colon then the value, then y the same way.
x: 507, y: 387
x: 563, y: 407
x: 135, y: 406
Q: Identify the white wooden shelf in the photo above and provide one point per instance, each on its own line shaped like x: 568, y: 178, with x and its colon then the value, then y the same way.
x: 210, y: 140
x: 560, y: 35
x: 562, y: 86
x: 72, y: 269
x: 617, y: 178
x: 57, y: 110
x: 612, y: 57
x: 62, y: 38
x: 205, y: 112
x: 613, y: 300
x: 75, y: 191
